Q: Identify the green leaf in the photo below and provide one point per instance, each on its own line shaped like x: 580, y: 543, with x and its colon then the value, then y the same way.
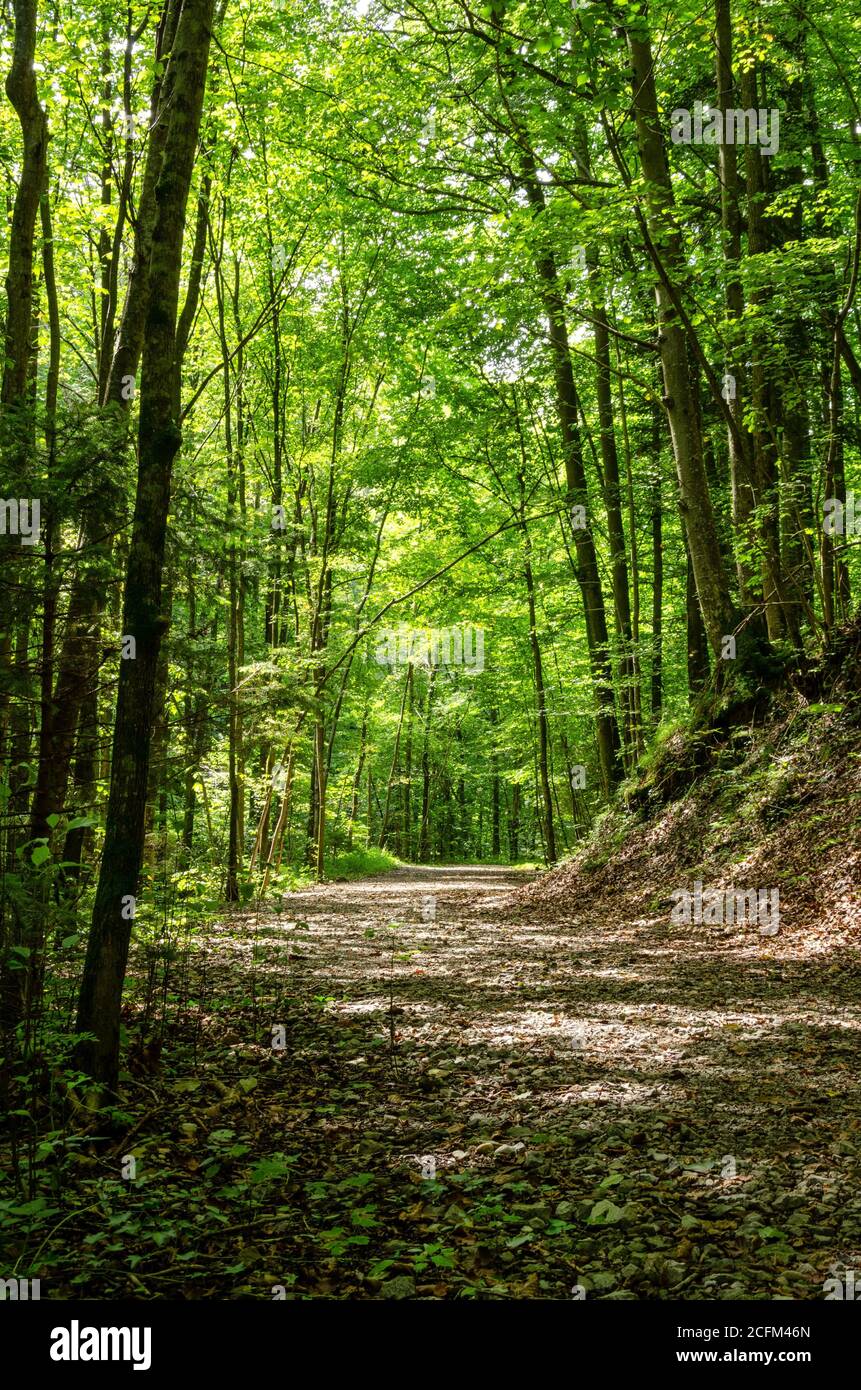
x: 604, y: 1213
x: 268, y: 1169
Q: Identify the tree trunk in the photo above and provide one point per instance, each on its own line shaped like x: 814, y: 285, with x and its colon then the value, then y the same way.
x: 357, y: 779
x: 549, y: 834
x: 697, y: 641
x: 495, y: 845
x: 762, y: 386
x: 143, y: 618
x: 740, y: 443
x: 719, y: 614
x: 80, y: 655
x: 514, y: 824
x: 588, y: 575
x: 406, y: 846
x: 384, y: 828
x: 424, y: 832
x: 23, y: 94
x: 657, y: 688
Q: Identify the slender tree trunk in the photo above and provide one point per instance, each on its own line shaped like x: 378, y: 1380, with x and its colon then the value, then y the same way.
x: 282, y: 823
x: 631, y: 669
x: 393, y: 771
x: 610, y: 479
x: 424, y: 832
x: 697, y: 640
x: 357, y: 779
x: 79, y: 839
x: 495, y: 845
x: 665, y: 244
x: 17, y: 416
x: 143, y: 618
x: 463, y: 827
x: 80, y: 656
x: 514, y: 821
x: 549, y: 834
x: 763, y: 397
x: 742, y: 481
x: 23, y: 94
x: 235, y: 513
x: 577, y: 497
x: 406, y: 784
x: 320, y: 765
x: 657, y: 686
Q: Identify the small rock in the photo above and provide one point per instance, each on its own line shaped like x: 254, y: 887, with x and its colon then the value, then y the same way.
x: 508, y: 1150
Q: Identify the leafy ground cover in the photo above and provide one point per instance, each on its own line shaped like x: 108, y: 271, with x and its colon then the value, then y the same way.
x: 366, y: 1102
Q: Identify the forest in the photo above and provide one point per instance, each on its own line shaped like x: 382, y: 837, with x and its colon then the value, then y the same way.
x: 430, y: 648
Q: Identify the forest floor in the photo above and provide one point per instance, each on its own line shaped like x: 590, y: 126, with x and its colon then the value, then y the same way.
x: 477, y: 1098
x: 607, y: 1100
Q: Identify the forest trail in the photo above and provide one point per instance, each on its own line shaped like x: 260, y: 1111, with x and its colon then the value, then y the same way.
x: 474, y: 1102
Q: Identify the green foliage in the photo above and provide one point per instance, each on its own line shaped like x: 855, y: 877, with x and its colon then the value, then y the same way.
x: 359, y: 863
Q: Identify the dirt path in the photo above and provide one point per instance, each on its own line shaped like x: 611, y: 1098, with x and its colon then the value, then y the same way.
x: 475, y: 1103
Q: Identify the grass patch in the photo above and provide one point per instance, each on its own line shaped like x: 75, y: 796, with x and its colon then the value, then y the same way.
x: 356, y: 863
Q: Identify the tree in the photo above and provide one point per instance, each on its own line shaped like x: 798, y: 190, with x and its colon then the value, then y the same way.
x: 144, y: 622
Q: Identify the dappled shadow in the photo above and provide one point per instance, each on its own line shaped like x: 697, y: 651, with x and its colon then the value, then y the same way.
x: 701, y: 1083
